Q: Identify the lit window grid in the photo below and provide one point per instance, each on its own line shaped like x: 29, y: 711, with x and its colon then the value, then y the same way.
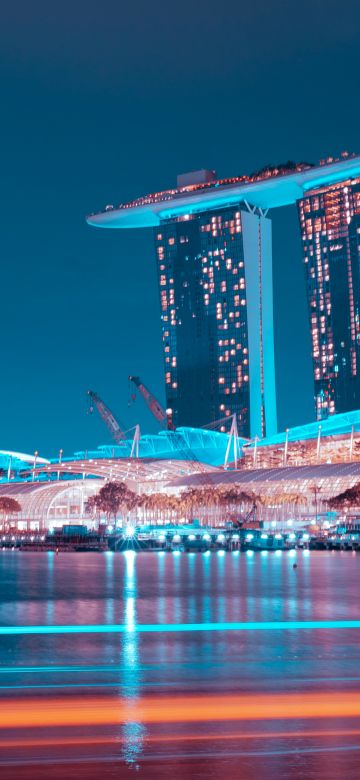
x: 325, y: 219
x: 224, y: 294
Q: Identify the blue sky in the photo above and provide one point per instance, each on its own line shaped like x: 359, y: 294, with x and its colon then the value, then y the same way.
x: 101, y: 104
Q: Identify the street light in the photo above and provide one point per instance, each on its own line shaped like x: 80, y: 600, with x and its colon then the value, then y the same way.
x: 35, y: 460
x: 60, y: 459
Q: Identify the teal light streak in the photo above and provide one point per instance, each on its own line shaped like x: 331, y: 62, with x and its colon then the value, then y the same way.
x: 68, y: 669
x: 122, y: 686
x: 152, y: 628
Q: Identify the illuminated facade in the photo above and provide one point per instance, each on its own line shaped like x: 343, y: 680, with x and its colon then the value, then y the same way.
x: 314, y: 457
x: 330, y: 227
x: 199, y: 291
x: 47, y: 504
x: 215, y: 279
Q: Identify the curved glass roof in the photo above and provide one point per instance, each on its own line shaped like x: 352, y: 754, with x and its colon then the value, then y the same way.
x: 329, y: 478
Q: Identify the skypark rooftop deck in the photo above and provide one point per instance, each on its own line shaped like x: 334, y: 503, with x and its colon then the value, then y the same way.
x: 270, y: 188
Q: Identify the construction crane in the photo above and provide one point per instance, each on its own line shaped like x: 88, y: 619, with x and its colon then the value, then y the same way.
x: 249, y: 521
x: 108, y: 417
x: 165, y: 417
x: 161, y: 415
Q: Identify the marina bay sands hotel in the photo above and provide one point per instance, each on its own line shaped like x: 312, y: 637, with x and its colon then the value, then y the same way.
x: 214, y: 256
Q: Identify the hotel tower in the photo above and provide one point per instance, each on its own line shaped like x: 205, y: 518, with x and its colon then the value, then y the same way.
x: 330, y: 232
x: 214, y: 261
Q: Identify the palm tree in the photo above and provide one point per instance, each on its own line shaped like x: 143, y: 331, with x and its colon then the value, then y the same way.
x: 348, y: 498
x: 285, y: 500
x: 92, y: 506
x: 190, y: 499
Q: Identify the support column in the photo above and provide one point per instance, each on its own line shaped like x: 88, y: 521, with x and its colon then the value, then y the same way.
x: 260, y: 323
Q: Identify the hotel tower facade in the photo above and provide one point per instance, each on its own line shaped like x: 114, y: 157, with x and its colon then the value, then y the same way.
x: 215, y: 281
x: 214, y: 260
x: 330, y: 232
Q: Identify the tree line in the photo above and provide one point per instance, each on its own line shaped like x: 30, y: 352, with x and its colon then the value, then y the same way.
x: 115, y: 497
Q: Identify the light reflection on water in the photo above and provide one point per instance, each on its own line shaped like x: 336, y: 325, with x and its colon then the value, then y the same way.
x: 133, y: 732
x: 50, y: 587
x: 140, y: 588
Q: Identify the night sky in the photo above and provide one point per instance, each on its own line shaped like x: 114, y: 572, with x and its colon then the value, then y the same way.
x: 102, y: 102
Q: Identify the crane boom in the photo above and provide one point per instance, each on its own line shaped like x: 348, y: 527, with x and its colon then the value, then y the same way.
x: 108, y: 417
x: 163, y: 416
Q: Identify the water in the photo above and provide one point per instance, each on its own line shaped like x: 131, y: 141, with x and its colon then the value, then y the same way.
x: 199, y: 704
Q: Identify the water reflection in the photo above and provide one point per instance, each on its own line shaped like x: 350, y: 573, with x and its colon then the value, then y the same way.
x: 110, y: 601
x: 133, y: 731
x: 149, y: 681
x: 50, y: 587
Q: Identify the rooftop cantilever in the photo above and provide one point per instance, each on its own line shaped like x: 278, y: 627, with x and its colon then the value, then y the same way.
x: 268, y: 191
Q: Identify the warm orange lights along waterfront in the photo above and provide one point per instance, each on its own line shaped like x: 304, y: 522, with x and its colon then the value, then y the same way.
x: 93, y: 711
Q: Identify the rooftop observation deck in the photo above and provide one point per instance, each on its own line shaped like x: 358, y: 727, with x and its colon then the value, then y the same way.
x: 270, y: 188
